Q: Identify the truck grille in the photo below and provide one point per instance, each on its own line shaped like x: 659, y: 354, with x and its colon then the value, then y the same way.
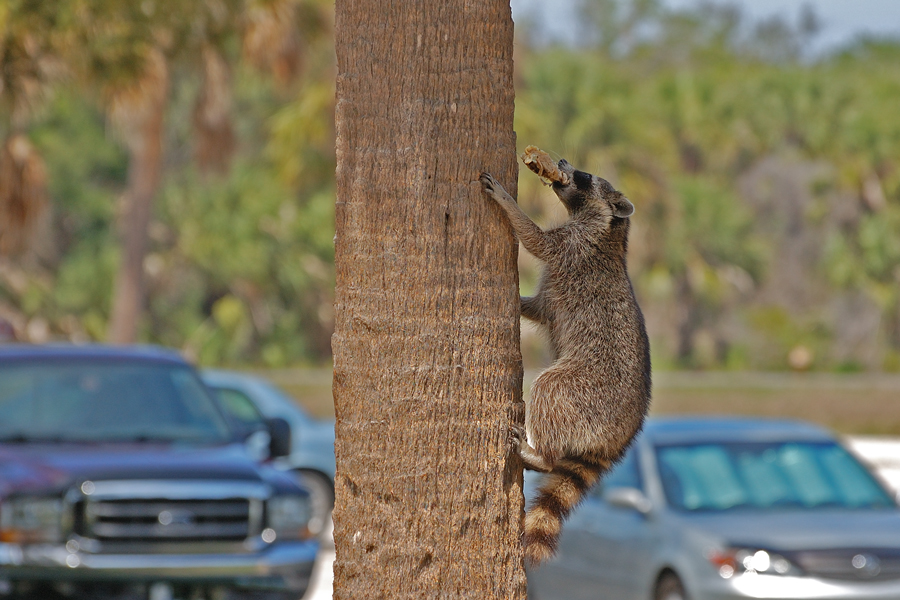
x: 170, y: 511
x: 163, y: 519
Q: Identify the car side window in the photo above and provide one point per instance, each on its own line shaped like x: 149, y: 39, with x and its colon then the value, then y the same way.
x: 240, y: 408
x: 624, y: 474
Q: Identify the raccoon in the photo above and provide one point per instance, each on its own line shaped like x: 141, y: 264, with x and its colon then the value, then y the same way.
x: 590, y: 403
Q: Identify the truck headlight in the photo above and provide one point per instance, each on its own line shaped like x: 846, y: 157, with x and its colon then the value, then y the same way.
x: 27, y: 520
x: 287, y: 517
x: 734, y: 561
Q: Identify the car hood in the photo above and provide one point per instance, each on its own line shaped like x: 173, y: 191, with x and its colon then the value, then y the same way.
x: 799, y: 530
x: 47, y: 467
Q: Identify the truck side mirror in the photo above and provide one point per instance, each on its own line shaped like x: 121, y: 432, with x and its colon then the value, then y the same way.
x: 280, y: 437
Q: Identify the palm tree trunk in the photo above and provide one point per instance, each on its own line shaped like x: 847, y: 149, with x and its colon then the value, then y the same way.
x: 427, y: 369
x: 128, y: 294
x: 138, y: 112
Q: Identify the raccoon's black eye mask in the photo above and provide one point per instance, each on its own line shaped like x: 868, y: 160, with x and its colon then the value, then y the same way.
x: 583, y: 181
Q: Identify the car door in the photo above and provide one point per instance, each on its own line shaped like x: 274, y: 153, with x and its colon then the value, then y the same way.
x: 605, y: 549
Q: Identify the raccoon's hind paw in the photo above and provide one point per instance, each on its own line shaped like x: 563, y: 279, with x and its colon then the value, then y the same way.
x: 516, y: 438
x: 533, y: 461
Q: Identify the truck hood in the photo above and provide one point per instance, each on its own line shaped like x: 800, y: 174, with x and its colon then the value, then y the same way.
x: 52, y: 467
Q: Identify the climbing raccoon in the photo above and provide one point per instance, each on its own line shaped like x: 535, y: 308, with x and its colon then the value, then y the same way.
x: 590, y: 403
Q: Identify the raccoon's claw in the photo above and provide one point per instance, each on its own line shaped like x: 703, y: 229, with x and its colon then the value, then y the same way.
x: 492, y: 188
x: 488, y: 183
x: 518, y: 444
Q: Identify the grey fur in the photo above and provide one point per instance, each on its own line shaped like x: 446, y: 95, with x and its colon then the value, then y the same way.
x: 590, y: 403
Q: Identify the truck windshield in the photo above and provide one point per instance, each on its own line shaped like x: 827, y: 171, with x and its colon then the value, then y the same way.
x: 766, y: 476
x: 119, y: 400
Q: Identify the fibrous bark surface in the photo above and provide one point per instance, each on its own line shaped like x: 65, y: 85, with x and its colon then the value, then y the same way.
x: 427, y: 369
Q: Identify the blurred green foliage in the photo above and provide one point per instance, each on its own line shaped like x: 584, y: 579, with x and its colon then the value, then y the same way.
x: 240, y: 268
x: 766, y: 182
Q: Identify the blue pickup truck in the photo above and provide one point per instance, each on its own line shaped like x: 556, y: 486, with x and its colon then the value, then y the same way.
x: 121, y: 477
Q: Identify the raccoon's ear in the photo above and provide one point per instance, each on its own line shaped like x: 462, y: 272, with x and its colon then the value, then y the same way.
x: 622, y: 207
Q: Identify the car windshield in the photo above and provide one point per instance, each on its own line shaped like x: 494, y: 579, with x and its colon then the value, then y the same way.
x: 766, y: 476
x: 112, y: 400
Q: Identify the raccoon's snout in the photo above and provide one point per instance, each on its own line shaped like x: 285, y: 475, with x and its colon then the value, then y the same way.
x: 566, y: 168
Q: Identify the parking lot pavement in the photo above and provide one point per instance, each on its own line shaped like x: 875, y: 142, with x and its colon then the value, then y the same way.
x: 882, y: 453
x: 322, y: 585
x: 323, y: 577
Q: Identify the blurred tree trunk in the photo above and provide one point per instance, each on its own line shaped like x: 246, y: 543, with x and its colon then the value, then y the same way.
x: 427, y: 368
x: 688, y: 321
x: 23, y: 193
x: 213, y: 130
x: 29, y: 66
x: 138, y: 112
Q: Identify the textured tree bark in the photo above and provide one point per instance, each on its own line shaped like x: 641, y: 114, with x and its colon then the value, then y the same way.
x: 427, y: 368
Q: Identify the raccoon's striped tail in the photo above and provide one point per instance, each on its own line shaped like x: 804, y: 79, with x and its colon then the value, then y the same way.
x: 563, y: 489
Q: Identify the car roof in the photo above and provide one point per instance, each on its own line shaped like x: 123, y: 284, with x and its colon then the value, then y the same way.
x: 674, y: 430
x: 89, y: 351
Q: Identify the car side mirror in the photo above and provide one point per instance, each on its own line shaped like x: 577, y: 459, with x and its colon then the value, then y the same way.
x: 628, y: 497
x: 280, y: 437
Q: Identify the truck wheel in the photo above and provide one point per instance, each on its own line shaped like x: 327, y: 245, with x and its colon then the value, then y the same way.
x: 670, y: 588
x: 321, y: 495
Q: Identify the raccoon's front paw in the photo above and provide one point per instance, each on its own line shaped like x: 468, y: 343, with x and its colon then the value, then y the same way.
x: 492, y: 188
x: 489, y: 185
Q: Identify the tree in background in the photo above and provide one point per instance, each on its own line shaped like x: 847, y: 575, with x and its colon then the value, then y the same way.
x: 128, y: 51
x: 137, y: 109
x: 103, y: 47
x: 28, y: 68
x: 765, y: 179
x: 260, y: 284
x: 119, y: 50
x: 427, y: 370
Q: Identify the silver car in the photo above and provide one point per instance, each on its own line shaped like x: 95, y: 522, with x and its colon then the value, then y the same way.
x: 250, y: 399
x: 727, y: 508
